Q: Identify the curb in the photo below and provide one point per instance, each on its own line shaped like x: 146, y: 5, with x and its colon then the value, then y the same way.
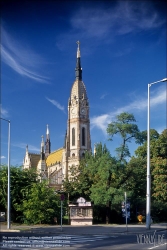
x: 10, y: 230
x: 82, y: 233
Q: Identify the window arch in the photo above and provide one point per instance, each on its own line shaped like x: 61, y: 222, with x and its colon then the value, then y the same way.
x: 83, y: 136
x: 73, y: 136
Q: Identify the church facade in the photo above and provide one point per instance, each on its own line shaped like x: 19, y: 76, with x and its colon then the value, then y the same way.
x: 55, y: 166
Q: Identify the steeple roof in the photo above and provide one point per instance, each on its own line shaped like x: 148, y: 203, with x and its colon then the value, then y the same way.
x: 78, y: 69
x: 78, y: 90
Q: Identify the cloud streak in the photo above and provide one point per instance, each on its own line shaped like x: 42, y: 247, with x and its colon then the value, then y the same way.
x: 4, y: 112
x: 3, y: 157
x: 103, y: 96
x: 122, y: 18
x: 30, y: 147
x: 21, y: 59
x: 55, y: 103
x: 138, y: 105
x: 105, y: 22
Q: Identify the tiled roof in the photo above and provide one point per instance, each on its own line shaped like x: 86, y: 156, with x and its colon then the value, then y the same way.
x: 54, y: 157
x: 34, y: 159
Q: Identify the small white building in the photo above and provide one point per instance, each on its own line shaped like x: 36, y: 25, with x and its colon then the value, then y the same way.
x: 81, y: 213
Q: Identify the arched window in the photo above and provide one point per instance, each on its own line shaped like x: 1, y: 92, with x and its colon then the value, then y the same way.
x: 73, y: 136
x: 83, y: 136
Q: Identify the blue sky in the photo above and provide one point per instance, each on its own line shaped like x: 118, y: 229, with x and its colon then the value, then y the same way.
x: 123, y: 48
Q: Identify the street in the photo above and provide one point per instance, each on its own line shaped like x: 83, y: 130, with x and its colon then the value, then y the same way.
x: 127, y: 241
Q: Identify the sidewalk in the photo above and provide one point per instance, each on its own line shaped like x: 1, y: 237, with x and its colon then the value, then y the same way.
x: 78, y: 230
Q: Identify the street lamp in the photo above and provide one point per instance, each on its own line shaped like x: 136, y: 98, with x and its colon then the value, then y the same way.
x: 8, y: 202
x: 148, y: 194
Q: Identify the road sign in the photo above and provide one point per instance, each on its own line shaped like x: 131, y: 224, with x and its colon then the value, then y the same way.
x: 62, y: 197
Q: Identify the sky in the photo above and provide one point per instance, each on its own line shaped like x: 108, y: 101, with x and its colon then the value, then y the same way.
x: 123, y: 48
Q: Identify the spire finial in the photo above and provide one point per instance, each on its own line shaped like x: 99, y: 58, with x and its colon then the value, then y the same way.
x: 27, y: 148
x: 78, y: 50
x: 78, y: 69
x: 47, y: 129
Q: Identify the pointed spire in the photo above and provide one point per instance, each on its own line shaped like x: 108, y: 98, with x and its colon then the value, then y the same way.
x: 78, y: 69
x: 27, y: 149
x: 42, y: 144
x: 47, y: 131
x: 47, y: 143
x: 78, y: 50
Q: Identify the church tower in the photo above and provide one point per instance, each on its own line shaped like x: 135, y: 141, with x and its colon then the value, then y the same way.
x: 78, y: 126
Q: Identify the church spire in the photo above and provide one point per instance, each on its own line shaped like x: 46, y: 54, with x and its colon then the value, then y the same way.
x: 78, y: 69
x: 47, y: 132
x: 42, y: 149
x: 47, y: 143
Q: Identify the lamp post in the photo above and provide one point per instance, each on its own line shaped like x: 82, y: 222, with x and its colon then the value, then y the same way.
x: 8, y: 201
x: 148, y: 191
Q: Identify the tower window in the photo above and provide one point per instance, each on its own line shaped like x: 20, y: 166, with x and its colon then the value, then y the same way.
x: 73, y: 136
x: 83, y: 136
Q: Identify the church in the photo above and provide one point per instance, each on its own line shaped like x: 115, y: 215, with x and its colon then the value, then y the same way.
x: 55, y: 166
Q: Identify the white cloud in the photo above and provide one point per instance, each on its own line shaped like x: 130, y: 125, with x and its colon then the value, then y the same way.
x: 55, y: 103
x: 103, y: 96
x: 101, y: 121
x: 96, y: 22
x: 138, y: 105
x: 30, y: 147
x: 20, y: 58
x: 121, y: 18
x: 3, y: 157
x: 4, y: 112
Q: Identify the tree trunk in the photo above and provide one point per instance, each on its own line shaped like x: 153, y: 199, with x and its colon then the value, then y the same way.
x: 108, y: 212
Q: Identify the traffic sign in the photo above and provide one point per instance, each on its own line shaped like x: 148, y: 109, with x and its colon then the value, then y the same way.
x: 62, y: 197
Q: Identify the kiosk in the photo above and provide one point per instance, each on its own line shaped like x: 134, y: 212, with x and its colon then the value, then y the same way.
x: 81, y: 213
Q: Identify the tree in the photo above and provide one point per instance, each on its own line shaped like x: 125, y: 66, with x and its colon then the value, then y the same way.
x: 141, y: 151
x: 159, y: 168
x: 97, y: 179
x: 124, y: 126
x: 21, y: 181
x: 40, y: 205
x: 158, y: 155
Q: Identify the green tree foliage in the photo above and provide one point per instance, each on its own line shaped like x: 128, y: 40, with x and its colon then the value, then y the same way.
x: 21, y: 181
x: 124, y: 126
x: 98, y: 178
x: 79, y: 180
x: 41, y: 204
x: 159, y: 173
x: 159, y: 168
x: 141, y: 151
x: 158, y: 155
x: 135, y: 183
